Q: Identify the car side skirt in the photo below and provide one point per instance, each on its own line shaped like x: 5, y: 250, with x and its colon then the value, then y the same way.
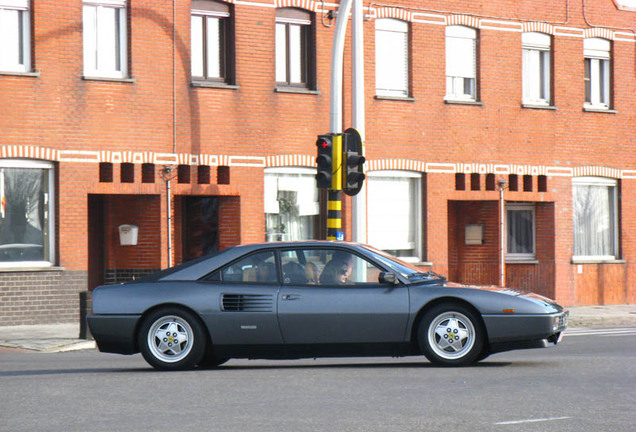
x: 114, y: 333
x: 289, y: 352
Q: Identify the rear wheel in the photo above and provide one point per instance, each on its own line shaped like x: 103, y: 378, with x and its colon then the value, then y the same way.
x: 172, y: 339
x: 451, y: 335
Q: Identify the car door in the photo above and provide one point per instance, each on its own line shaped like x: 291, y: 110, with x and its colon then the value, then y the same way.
x: 247, y: 292
x: 355, y: 309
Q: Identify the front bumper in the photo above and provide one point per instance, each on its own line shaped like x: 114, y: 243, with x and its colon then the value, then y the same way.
x: 114, y: 333
x: 518, y: 331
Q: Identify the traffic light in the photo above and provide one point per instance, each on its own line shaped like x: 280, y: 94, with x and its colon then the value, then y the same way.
x: 324, y: 160
x: 352, y: 162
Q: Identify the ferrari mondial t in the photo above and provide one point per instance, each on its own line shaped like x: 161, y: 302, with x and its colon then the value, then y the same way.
x: 314, y: 299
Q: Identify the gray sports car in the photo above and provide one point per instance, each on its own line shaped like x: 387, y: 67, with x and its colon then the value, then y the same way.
x: 314, y: 299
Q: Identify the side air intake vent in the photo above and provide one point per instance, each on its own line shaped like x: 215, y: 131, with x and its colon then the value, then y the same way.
x: 247, y: 303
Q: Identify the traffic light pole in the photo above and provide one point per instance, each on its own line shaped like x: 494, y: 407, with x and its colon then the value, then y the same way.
x: 334, y: 205
x: 358, y: 201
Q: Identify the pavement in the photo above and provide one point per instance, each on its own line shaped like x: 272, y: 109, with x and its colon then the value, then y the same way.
x: 49, y: 338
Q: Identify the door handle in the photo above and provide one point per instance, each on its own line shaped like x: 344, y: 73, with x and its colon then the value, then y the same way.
x: 290, y: 296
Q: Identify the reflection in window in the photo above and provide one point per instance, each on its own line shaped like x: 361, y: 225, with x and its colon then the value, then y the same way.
x: 25, y: 212
x: 291, y: 204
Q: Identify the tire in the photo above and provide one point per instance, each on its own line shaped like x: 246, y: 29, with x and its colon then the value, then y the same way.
x: 451, y: 335
x: 172, y: 339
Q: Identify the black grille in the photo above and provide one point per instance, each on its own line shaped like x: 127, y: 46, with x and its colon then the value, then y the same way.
x: 247, y: 303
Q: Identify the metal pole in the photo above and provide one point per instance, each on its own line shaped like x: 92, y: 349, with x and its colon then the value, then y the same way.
x: 359, y: 201
x: 334, y: 222
x: 502, y: 235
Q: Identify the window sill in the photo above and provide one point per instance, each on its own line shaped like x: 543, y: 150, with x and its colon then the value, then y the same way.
x: 107, y: 79
x: 537, y: 106
x: 296, y: 90
x: 213, y: 84
x: 598, y: 261
x: 599, y: 110
x: 34, y: 74
x: 462, y: 102
x: 522, y: 261
x: 395, y: 98
x: 31, y: 269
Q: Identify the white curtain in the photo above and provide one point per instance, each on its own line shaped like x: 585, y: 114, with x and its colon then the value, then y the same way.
x: 594, y: 220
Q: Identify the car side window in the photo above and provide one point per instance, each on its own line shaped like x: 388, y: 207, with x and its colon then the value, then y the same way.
x: 259, y: 267
x: 327, y: 267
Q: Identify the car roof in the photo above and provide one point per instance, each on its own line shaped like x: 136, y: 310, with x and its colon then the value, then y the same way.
x: 196, y: 269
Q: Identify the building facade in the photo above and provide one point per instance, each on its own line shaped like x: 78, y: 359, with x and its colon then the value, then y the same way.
x: 499, y: 140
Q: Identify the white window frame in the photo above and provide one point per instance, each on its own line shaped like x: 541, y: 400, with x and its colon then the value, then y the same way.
x: 50, y: 243
x: 308, y: 201
x: 610, y: 183
x: 293, y: 31
x: 203, y: 57
x: 391, y: 57
x: 8, y: 40
x: 91, y: 37
x: 387, y: 205
x: 536, y: 50
x: 461, y: 63
x: 510, y: 256
x: 596, y: 52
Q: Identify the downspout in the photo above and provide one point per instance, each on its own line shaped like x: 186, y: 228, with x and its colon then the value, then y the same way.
x: 502, y: 234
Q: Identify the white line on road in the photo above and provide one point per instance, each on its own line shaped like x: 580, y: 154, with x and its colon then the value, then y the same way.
x: 600, y: 332
x: 531, y: 420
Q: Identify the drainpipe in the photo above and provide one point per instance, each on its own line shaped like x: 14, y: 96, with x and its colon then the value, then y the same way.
x: 167, y: 174
x: 502, y: 234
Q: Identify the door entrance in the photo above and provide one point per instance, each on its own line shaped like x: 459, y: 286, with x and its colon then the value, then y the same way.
x: 200, y: 226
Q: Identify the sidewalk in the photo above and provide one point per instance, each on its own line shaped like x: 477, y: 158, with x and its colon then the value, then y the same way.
x: 65, y: 337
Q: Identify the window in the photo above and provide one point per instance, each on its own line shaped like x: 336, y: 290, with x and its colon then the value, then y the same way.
x: 520, y: 232
x: 536, y: 68
x: 461, y: 63
x: 211, y: 41
x: 394, y: 209
x: 26, y: 213
x: 105, y: 39
x: 595, y: 218
x: 291, y: 204
x: 597, y: 73
x: 391, y: 57
x: 293, y: 48
x: 259, y: 267
x: 327, y: 267
x: 15, y: 36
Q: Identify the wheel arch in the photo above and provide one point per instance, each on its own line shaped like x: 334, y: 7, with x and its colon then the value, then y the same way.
x: 446, y: 300
x: 154, y: 308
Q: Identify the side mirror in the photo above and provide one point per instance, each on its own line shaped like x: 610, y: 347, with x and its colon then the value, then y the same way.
x: 388, y: 278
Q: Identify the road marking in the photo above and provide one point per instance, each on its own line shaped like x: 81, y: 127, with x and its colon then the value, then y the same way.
x: 531, y: 420
x: 600, y: 332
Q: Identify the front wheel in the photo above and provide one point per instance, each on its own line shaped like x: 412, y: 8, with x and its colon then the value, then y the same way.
x: 172, y: 339
x: 451, y: 335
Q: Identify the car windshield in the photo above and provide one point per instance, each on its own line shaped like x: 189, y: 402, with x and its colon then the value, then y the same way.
x: 405, y: 269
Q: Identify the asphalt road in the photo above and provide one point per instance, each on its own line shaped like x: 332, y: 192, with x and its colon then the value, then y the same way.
x: 588, y: 383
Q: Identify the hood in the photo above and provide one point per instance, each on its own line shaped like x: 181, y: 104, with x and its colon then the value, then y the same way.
x: 536, y: 298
